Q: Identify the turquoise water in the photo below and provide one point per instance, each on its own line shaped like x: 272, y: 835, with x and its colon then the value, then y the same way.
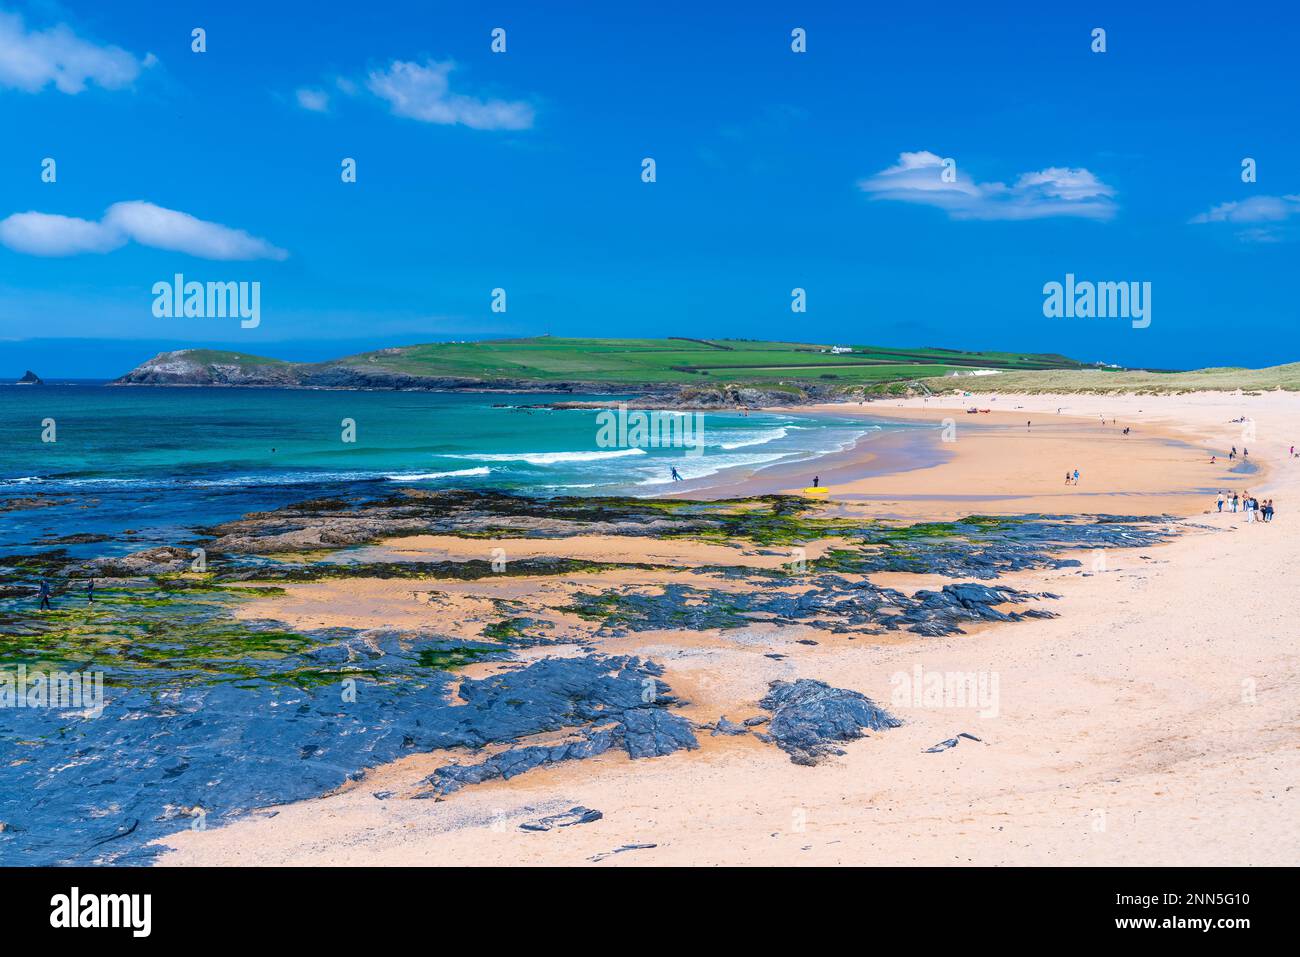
x: 141, y: 464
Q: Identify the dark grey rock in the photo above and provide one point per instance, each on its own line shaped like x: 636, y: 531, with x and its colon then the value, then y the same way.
x: 608, y: 702
x: 728, y: 727
x: 951, y: 743
x: 809, y: 716
x: 574, y: 815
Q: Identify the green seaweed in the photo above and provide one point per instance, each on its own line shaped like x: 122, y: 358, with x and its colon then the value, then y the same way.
x: 448, y: 659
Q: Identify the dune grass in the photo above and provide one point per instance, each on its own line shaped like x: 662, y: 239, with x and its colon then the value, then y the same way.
x: 1227, y: 379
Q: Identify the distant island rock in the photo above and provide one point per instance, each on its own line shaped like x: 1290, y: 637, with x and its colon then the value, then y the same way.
x: 31, y: 378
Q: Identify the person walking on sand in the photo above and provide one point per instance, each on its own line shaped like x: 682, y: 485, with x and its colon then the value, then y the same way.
x: 1220, y: 501
x: 817, y: 480
x: 1067, y: 476
x: 1076, y: 476
x: 676, y: 476
x: 45, y: 595
x: 1248, y: 506
x: 1234, y: 501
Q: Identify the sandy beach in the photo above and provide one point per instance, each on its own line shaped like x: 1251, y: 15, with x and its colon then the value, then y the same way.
x: 1153, y: 721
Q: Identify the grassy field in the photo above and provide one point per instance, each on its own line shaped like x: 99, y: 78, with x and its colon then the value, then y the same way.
x: 207, y: 356
x: 689, y: 361
x: 774, y: 366
x: 1094, y: 380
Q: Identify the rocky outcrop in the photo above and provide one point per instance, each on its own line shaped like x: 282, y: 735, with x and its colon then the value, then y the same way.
x: 203, y: 367
x: 610, y: 703
x: 32, y: 501
x: 164, y: 560
x: 809, y: 717
x: 833, y: 604
x: 30, y: 378
x: 209, y: 368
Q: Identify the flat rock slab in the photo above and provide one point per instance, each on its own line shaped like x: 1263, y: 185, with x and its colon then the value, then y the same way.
x: 574, y: 815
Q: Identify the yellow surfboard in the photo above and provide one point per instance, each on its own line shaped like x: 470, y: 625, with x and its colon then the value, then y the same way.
x: 816, y: 490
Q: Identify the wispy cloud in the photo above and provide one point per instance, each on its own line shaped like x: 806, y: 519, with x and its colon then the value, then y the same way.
x: 1262, y: 217
x: 1257, y: 209
x: 1056, y: 191
x: 309, y: 98
x: 423, y: 92
x: 30, y: 60
x: 47, y: 234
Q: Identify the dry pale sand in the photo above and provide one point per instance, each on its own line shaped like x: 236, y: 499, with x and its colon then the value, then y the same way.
x: 1153, y: 722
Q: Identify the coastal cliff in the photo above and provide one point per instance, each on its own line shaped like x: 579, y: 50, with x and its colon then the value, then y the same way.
x: 207, y: 367
x: 689, y: 373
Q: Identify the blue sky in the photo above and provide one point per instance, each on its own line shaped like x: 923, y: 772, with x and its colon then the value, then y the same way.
x: 522, y: 170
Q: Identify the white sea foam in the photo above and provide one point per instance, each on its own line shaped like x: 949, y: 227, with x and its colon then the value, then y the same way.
x: 692, y: 468
x: 421, y: 476
x: 548, y: 458
x: 757, y: 438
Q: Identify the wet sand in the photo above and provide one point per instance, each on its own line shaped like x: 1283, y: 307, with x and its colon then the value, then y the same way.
x: 1153, y: 722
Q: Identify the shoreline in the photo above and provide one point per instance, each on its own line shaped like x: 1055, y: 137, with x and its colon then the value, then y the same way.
x: 1072, y: 682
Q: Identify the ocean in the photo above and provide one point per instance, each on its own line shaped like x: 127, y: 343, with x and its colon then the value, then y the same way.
x: 138, y: 466
x: 203, y: 717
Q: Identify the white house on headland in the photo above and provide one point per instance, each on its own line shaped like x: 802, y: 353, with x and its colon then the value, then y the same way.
x: 840, y: 350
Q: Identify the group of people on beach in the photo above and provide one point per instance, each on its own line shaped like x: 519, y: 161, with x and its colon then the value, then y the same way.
x: 1255, y: 510
x: 1071, y: 478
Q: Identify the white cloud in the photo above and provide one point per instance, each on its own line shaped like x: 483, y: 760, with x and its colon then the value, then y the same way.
x: 44, y: 234
x: 31, y: 60
x: 1257, y: 209
x: 1056, y: 191
x: 423, y: 92
x: 318, y: 101
x: 1262, y: 217
x: 151, y: 225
